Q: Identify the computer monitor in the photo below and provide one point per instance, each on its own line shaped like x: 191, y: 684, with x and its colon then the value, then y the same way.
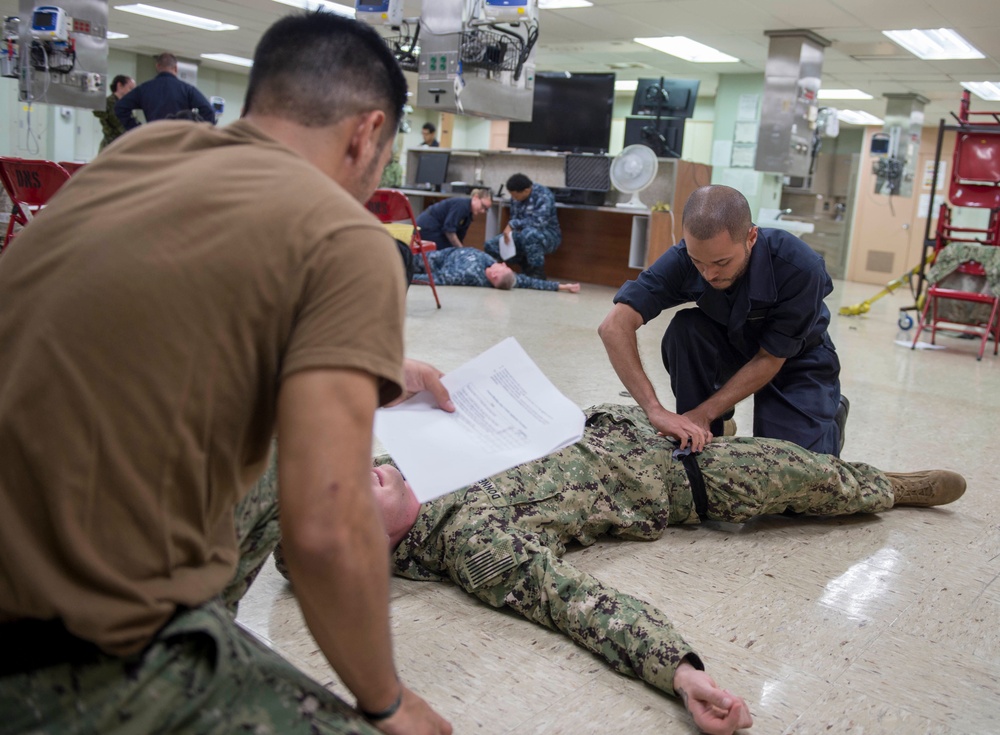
x: 432, y: 169
x: 666, y: 138
x: 665, y: 97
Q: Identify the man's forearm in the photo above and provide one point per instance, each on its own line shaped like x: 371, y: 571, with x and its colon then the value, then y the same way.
x: 632, y: 636
x: 333, y: 539
x: 748, y: 380
x: 453, y: 239
x: 344, y: 598
x: 618, y: 333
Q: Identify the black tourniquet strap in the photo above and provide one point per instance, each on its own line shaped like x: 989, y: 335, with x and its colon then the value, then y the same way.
x: 697, y: 485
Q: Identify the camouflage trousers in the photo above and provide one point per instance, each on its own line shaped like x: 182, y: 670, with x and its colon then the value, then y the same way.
x: 202, y: 673
x: 532, y: 245
x: 747, y: 477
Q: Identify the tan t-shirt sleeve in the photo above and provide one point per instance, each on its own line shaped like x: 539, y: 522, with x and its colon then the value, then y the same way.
x: 351, y: 307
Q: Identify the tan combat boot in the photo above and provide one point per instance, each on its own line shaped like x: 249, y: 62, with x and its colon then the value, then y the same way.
x: 930, y: 487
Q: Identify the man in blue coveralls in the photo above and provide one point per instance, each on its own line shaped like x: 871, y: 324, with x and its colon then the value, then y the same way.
x: 760, y: 329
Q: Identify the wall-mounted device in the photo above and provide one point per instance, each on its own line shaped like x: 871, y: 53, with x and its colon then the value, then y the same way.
x: 792, y: 73
x: 385, y: 13
x: 478, y: 58
x: 218, y: 105
x: 50, y: 23
x: 895, y: 149
x: 508, y: 11
x: 9, y: 52
x: 58, y: 53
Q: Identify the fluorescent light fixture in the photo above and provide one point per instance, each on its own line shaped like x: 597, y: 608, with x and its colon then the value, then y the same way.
x: 112, y: 35
x: 627, y: 85
x: 982, y: 90
x: 320, y: 5
x: 686, y: 49
x: 172, y: 16
x: 935, y: 43
x: 858, y: 117
x: 229, y: 59
x: 843, y: 94
x: 562, y: 4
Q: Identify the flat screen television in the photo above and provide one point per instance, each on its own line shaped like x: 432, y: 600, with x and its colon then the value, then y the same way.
x: 672, y: 97
x: 432, y: 169
x: 571, y: 112
x: 666, y: 138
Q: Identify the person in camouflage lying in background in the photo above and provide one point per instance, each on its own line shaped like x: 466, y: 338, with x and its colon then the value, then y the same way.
x: 502, y: 539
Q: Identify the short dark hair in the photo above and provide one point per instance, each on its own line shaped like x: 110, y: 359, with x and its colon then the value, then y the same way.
x: 712, y: 209
x: 120, y: 80
x: 518, y: 182
x: 319, y: 68
x: 429, y: 127
x: 165, y: 60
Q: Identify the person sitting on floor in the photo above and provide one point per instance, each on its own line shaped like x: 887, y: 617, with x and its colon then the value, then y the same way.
x: 503, y: 539
x: 446, y: 223
x: 472, y: 267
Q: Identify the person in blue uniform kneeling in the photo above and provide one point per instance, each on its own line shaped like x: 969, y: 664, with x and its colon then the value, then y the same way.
x: 760, y: 328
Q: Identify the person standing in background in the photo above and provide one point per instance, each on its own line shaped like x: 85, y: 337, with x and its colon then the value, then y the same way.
x: 428, y: 131
x: 121, y: 85
x: 163, y: 96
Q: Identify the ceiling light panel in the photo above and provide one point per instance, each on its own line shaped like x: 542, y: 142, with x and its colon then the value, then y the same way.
x: 686, y: 49
x: 858, y: 117
x: 984, y: 90
x: 229, y: 59
x: 172, y: 16
x: 935, y: 44
x: 347, y: 12
x: 843, y: 94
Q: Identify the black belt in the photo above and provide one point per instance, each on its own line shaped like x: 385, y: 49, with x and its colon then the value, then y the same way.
x: 695, y: 480
x: 26, y: 645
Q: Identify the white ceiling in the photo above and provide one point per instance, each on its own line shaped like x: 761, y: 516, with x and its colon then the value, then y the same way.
x: 600, y: 39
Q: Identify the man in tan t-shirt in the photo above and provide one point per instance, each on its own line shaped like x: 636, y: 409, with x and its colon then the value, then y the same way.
x: 190, y: 292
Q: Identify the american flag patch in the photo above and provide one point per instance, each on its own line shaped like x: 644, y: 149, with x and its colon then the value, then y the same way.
x: 489, y: 563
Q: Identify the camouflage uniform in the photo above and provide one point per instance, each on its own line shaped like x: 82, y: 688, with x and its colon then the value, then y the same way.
x: 110, y: 123
x: 536, y: 230
x: 201, y: 674
x: 467, y: 267
x: 502, y: 539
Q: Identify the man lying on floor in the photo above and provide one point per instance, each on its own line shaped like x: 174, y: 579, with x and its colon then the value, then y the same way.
x: 502, y: 539
x: 471, y: 267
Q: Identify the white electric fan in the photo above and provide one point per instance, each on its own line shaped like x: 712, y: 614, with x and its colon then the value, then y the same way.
x: 633, y: 170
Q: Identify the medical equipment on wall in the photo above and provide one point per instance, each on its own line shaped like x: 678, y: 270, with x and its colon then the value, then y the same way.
x: 894, y: 151
x: 58, y: 53
x: 53, y: 49
x: 473, y: 57
x: 385, y: 13
x: 9, y: 52
x: 218, y: 105
x: 886, y: 164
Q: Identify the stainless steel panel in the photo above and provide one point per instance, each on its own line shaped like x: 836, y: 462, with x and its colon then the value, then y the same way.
x: 91, y: 45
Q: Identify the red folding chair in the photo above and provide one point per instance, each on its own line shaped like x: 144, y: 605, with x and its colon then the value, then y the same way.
x: 71, y: 166
x: 29, y: 184
x: 392, y: 206
x: 975, y: 178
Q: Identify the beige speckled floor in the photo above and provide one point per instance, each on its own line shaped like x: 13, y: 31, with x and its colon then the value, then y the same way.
x: 887, y: 624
